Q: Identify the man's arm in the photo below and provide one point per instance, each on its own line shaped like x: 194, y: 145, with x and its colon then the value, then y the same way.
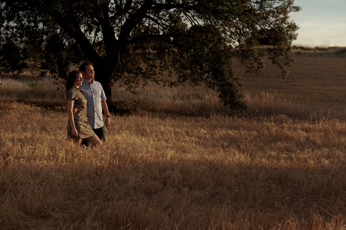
x: 106, y: 112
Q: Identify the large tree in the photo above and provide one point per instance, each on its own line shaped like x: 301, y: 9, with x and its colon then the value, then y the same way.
x: 131, y: 41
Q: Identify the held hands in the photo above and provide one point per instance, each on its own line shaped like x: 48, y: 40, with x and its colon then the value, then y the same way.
x: 74, y: 132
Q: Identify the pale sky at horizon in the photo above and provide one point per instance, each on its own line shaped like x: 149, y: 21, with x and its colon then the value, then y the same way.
x: 321, y: 22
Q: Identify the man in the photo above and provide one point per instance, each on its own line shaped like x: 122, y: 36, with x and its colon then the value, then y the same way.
x: 93, y: 92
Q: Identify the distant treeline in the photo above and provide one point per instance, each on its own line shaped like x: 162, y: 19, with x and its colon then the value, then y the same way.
x: 332, y: 51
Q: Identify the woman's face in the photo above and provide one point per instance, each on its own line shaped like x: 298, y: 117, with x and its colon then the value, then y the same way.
x: 78, y: 80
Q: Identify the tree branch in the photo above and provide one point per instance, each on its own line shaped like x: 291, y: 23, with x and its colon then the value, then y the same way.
x: 121, y: 11
x: 133, y: 20
x: 71, y: 27
x: 108, y: 32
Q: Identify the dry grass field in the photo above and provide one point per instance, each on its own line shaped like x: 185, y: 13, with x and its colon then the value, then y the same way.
x: 181, y: 160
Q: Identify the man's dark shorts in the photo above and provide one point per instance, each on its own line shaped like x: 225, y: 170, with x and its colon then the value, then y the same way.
x: 101, y: 133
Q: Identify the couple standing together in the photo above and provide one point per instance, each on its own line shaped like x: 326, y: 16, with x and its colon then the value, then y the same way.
x: 86, y: 100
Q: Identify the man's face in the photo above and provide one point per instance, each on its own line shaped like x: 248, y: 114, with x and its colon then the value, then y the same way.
x: 89, y: 72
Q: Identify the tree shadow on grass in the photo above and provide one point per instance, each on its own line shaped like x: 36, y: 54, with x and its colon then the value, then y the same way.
x: 134, y: 193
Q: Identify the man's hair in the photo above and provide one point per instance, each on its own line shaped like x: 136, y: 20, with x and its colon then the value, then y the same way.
x: 85, y: 64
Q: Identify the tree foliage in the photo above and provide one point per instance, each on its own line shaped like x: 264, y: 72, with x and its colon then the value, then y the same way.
x: 170, y: 42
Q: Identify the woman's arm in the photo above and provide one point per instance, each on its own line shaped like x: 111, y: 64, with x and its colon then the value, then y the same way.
x: 69, y: 108
x: 74, y: 109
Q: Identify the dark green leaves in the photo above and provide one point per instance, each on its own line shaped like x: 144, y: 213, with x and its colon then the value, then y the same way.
x: 166, y: 41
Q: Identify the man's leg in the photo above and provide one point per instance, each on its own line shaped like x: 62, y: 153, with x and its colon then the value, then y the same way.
x: 101, y: 133
x: 85, y: 143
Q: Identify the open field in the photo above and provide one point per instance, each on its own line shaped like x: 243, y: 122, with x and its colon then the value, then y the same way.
x: 182, y: 161
x: 315, y: 88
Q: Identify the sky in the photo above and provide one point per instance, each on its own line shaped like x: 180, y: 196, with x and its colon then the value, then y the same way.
x: 321, y: 23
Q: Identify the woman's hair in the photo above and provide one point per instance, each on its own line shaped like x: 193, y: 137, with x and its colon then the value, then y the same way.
x: 70, y: 79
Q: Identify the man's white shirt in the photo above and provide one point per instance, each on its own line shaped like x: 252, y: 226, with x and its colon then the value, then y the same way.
x: 94, y: 94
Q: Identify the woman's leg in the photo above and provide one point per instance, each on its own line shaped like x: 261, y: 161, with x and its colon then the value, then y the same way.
x: 76, y: 141
x: 94, y: 140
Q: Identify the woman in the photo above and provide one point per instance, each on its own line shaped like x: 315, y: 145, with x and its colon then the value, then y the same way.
x: 78, y: 127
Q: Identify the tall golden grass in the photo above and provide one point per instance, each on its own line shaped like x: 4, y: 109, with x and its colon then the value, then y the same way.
x: 280, y: 165
x: 33, y: 89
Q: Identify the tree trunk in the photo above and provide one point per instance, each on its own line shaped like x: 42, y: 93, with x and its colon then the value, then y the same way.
x: 106, y: 84
x: 104, y: 73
